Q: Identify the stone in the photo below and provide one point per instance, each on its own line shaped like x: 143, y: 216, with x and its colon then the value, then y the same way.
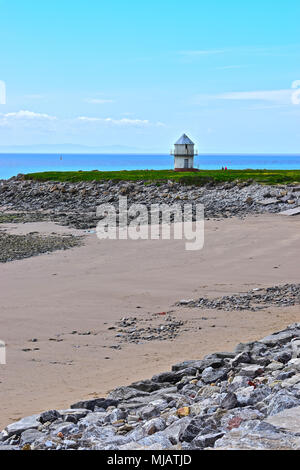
x: 291, y: 212
x: 287, y: 420
x: 273, y: 366
x: 73, y: 415
x: 185, y: 411
x: 96, y: 402
x: 294, y: 363
x: 229, y: 401
x: 63, y: 428
x: 154, y: 425
x: 148, y: 412
x: 210, y: 375
x: 243, y: 357
x: 30, y: 422
x: 239, y: 439
x: 29, y: 436
x: 205, y: 425
x: 291, y: 381
x: 51, y: 415
x: 281, y: 401
x: 283, y: 356
x: 174, y: 430
x: 125, y: 393
x: 206, y: 440
x: 146, y: 386
x: 251, y: 371
x: 8, y: 447
x: 281, y: 337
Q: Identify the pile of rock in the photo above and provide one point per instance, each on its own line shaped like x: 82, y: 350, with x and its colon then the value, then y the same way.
x: 15, y: 247
x: 75, y: 203
x: 254, y: 300
x: 139, y: 331
x: 247, y: 399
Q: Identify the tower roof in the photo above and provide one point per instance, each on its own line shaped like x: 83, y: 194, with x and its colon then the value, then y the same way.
x: 184, y: 139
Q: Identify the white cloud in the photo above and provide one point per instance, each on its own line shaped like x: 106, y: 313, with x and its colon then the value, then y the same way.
x: 27, y: 115
x: 282, y: 97
x: 268, y: 95
x: 119, y: 122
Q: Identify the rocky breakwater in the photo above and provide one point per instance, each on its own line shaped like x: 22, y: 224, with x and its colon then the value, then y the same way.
x: 75, y: 203
x: 246, y: 399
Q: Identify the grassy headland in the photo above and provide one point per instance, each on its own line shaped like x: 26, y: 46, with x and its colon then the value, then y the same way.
x: 197, y: 178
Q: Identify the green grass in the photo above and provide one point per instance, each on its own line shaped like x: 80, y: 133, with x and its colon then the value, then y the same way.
x: 198, y: 178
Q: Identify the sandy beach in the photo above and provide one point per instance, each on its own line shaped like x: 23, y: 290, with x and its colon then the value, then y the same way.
x: 67, y: 301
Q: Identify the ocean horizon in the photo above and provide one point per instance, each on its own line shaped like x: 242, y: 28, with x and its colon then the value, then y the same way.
x: 12, y: 164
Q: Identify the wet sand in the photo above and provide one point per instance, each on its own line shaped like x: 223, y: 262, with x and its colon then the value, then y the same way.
x: 89, y: 288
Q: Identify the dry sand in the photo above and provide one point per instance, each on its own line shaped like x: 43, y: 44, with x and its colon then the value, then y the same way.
x: 90, y: 287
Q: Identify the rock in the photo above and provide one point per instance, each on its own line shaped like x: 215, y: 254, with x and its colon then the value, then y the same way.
x: 203, y: 425
x: 281, y: 337
x: 146, y: 386
x: 51, y: 415
x: 281, y: 401
x: 287, y: 420
x: 210, y: 375
x: 290, y: 382
x: 30, y: 422
x: 251, y: 371
x: 273, y: 366
x: 239, y: 439
x: 170, y: 377
x: 185, y: 411
x: 154, y: 425
x: 206, y: 440
x: 115, y: 415
x: 8, y: 447
x: 294, y: 363
x: 125, y: 393
x: 235, y: 417
x: 73, y: 415
x: 250, y: 395
x: 242, y: 357
x: 148, y: 412
x: 174, y: 430
x: 30, y: 435
x: 229, y: 401
x: 283, y: 356
x: 96, y: 402
x: 62, y: 428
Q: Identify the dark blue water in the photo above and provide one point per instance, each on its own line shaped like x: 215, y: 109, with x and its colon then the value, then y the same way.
x: 12, y: 164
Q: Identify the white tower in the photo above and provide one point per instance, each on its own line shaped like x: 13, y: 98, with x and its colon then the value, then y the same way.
x: 184, y: 154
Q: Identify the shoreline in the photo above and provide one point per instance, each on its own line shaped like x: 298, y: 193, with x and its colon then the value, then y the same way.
x: 201, y: 404
x: 89, y: 288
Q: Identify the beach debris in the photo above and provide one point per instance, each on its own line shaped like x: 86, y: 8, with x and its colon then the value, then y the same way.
x: 140, y: 330
x: 254, y: 300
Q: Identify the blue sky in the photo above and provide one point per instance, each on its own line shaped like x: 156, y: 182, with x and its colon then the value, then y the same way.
x: 140, y: 73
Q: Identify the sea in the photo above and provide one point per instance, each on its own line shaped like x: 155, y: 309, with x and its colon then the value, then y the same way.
x: 12, y: 164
